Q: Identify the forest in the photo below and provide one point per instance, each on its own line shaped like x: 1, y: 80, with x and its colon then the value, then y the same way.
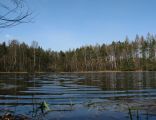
x: 129, y: 55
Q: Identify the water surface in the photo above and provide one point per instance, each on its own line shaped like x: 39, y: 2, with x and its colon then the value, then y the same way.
x: 85, y: 96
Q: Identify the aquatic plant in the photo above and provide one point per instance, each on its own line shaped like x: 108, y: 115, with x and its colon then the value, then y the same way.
x: 146, y: 114
x: 130, y: 113
x: 136, y: 112
x: 44, y: 106
x: 71, y: 104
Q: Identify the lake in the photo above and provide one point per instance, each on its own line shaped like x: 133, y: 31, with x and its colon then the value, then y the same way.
x: 85, y: 96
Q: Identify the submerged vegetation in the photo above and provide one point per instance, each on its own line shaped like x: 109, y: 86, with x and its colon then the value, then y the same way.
x: 129, y: 55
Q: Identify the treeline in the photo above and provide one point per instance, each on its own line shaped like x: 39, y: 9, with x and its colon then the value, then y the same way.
x: 130, y: 55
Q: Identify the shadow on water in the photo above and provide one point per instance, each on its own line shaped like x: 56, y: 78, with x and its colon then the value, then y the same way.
x: 112, y: 95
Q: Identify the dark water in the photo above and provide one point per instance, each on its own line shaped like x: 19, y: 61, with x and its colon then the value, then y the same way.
x: 85, y: 96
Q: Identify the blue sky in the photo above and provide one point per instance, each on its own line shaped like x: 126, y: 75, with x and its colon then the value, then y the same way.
x: 65, y: 24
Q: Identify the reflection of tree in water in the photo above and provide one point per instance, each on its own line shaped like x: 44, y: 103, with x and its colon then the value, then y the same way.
x: 12, y: 84
x: 14, y: 96
x: 120, y: 80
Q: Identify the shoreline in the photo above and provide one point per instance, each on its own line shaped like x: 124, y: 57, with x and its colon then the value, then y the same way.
x: 20, y: 72
x: 104, y: 71
x: 73, y: 72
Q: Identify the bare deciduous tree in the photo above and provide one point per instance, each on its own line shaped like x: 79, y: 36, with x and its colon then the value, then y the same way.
x: 13, y: 12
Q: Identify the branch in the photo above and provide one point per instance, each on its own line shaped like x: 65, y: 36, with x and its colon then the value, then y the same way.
x: 14, y: 12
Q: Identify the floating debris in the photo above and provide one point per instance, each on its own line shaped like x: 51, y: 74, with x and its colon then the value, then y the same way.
x: 9, y: 116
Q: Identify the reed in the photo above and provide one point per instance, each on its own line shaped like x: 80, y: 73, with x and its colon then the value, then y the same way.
x: 137, y: 114
x: 71, y: 104
x: 130, y: 113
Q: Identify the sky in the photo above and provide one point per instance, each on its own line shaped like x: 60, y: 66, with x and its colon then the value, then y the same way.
x: 67, y: 24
